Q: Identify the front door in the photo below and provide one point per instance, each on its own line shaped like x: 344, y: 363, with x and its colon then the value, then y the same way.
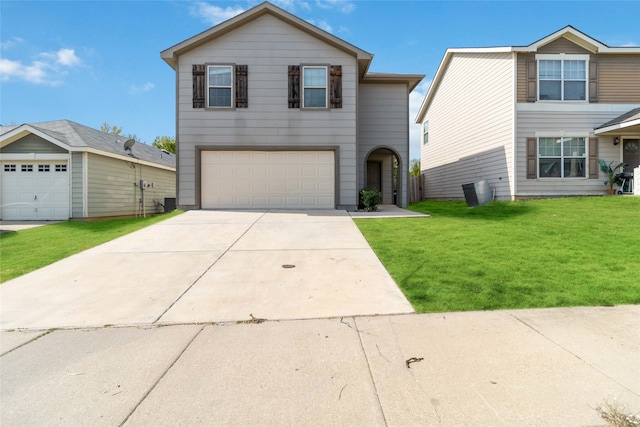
x: 374, y: 175
x: 631, y: 154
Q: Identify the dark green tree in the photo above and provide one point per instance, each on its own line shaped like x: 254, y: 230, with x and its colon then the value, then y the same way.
x: 165, y: 143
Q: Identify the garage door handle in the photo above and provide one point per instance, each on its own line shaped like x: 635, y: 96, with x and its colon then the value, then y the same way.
x: 35, y: 197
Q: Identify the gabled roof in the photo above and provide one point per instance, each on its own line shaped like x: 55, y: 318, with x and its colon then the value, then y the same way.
x: 170, y: 55
x: 570, y: 33
x: 579, y: 38
x: 75, y: 137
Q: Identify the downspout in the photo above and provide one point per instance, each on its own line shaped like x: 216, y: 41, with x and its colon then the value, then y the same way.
x: 514, y: 139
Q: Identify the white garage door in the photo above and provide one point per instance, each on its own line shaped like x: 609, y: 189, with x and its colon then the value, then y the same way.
x: 268, y: 179
x: 35, y: 190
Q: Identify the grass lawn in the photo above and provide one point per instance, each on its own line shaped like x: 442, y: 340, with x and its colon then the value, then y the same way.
x: 529, y: 254
x: 28, y: 250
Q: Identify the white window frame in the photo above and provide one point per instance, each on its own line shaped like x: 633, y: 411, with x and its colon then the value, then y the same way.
x: 325, y: 87
x: 210, y: 86
x: 562, y: 57
x: 562, y: 157
x: 425, y: 132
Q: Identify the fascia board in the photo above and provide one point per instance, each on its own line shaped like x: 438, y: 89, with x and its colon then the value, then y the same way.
x: 24, y: 130
x: 411, y: 79
x: 617, y: 126
x: 125, y: 158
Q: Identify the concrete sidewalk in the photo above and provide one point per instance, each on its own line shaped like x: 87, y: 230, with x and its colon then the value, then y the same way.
x: 288, y: 318
x: 508, y: 368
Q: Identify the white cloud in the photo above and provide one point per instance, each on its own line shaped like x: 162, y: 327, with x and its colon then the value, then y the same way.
x: 144, y: 88
x: 46, y: 70
x: 68, y: 58
x: 415, y: 102
x: 344, y: 6
x: 8, y: 44
x: 215, y: 14
x: 321, y: 24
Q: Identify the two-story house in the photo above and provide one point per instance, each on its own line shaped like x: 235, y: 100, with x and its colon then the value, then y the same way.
x: 532, y: 121
x: 273, y: 112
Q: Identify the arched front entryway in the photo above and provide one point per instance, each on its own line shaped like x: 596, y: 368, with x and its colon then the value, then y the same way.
x: 382, y: 171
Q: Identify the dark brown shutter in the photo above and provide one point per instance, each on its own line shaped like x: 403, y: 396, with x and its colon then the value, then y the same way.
x: 294, y: 86
x: 594, y: 166
x: 532, y: 158
x: 335, y: 86
x: 242, y: 91
x: 532, y: 81
x: 198, y: 86
x: 593, y: 81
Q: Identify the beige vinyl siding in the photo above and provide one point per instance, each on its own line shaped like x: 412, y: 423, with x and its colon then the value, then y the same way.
x: 111, y: 191
x: 617, y: 76
x: 268, y: 46
x: 562, y: 45
x: 77, y: 185
x: 382, y: 123
x: 471, y: 126
x: 576, y: 123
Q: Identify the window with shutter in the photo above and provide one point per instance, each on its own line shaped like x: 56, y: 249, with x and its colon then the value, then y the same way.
x: 532, y: 158
x: 242, y: 90
x: 594, y: 167
x: 532, y: 81
x: 213, y: 86
x: 336, y: 86
x: 198, y: 85
x: 315, y: 86
x: 593, y: 81
x: 294, y: 86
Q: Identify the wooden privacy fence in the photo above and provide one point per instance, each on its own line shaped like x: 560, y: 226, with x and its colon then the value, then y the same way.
x: 415, y: 188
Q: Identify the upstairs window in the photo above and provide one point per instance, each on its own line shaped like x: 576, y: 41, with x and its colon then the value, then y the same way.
x: 561, y: 157
x: 314, y: 87
x: 562, y: 77
x: 220, y: 86
x: 425, y: 134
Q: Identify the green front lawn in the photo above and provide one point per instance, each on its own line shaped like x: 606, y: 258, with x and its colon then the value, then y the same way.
x: 28, y: 250
x: 540, y: 253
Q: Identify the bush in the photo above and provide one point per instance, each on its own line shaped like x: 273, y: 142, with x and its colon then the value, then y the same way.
x: 370, y: 199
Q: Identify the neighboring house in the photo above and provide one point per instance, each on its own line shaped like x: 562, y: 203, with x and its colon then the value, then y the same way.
x: 62, y: 170
x: 273, y: 112
x: 532, y: 120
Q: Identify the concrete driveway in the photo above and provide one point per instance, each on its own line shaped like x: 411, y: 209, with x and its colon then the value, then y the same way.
x: 210, y: 266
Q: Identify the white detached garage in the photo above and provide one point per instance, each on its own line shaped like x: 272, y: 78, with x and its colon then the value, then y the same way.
x: 62, y: 170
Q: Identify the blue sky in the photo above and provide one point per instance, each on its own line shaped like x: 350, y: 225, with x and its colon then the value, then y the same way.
x: 99, y: 61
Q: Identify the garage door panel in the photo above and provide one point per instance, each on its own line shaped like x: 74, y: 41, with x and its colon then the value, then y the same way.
x: 35, y: 190
x: 267, y: 179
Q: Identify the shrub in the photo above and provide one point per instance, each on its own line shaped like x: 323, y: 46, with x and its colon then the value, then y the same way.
x: 370, y: 199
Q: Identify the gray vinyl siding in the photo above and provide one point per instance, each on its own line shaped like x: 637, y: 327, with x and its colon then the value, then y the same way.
x: 77, y: 185
x: 33, y: 144
x: 382, y: 123
x: 471, y: 127
x: 111, y: 191
x: 268, y: 46
x: 565, y: 123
